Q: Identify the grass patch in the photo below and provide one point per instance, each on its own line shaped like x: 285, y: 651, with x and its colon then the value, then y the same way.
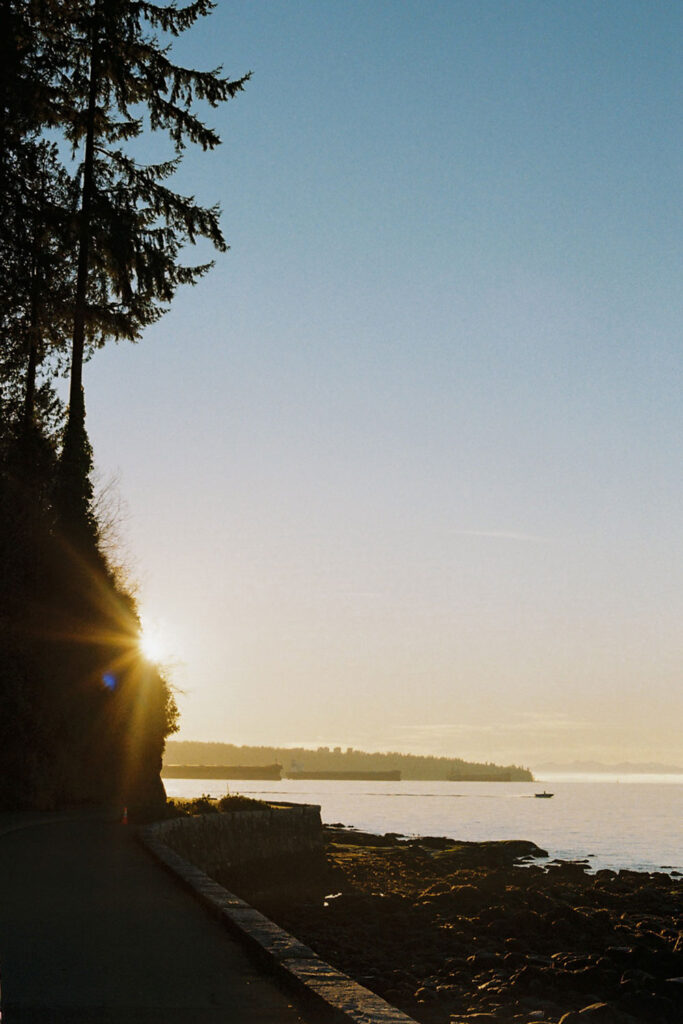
x: 205, y: 804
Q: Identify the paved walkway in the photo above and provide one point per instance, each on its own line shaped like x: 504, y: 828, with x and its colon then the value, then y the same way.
x: 92, y: 932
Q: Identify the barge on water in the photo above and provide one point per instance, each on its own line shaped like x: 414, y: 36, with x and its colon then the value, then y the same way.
x: 348, y: 776
x: 483, y: 777
x: 222, y: 771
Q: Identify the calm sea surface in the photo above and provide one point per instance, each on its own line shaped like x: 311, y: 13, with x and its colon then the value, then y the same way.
x: 629, y: 821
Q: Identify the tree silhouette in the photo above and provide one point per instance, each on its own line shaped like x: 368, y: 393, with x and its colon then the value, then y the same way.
x: 87, y: 253
x: 117, y: 80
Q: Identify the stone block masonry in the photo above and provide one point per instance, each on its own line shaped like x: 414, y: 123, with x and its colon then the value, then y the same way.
x: 237, y: 839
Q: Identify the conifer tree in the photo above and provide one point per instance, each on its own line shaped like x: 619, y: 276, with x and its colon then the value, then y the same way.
x: 36, y: 283
x: 36, y: 248
x: 119, y: 81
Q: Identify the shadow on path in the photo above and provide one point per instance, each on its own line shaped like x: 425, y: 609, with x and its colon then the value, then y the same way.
x: 92, y: 932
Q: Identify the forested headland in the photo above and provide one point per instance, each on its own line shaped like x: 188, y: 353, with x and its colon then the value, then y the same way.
x: 411, y: 766
x: 91, y: 251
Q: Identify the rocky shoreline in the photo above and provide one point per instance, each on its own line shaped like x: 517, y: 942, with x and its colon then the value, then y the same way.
x: 481, y: 933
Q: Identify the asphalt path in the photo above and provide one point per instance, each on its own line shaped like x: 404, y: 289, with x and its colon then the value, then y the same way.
x: 92, y: 931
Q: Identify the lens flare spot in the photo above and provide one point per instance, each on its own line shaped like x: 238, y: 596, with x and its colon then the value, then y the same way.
x: 109, y: 680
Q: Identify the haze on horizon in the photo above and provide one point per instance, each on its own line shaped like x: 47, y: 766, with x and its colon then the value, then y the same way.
x: 403, y: 472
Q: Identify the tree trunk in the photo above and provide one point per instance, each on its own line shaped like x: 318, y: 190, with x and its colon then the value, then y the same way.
x: 76, y: 406
x: 74, y: 491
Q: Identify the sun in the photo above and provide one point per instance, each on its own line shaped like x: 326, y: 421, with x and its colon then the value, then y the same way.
x: 153, y: 643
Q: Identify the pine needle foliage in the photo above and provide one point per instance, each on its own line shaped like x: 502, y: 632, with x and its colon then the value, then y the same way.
x: 118, y: 81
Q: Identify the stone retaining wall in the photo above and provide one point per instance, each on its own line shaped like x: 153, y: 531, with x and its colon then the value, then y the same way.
x: 237, y: 839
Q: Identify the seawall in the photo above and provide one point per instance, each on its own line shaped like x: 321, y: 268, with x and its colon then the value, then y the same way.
x: 243, y: 839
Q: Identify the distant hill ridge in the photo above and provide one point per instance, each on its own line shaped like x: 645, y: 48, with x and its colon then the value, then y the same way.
x: 411, y: 766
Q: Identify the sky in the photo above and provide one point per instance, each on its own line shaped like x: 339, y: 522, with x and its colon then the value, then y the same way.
x: 403, y: 471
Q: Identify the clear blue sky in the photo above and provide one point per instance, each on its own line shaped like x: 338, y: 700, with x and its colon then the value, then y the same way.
x: 404, y: 470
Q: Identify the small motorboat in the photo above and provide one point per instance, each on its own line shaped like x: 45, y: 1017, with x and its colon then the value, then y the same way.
x: 543, y: 795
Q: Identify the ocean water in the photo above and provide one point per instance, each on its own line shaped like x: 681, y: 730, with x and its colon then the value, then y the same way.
x: 629, y: 821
